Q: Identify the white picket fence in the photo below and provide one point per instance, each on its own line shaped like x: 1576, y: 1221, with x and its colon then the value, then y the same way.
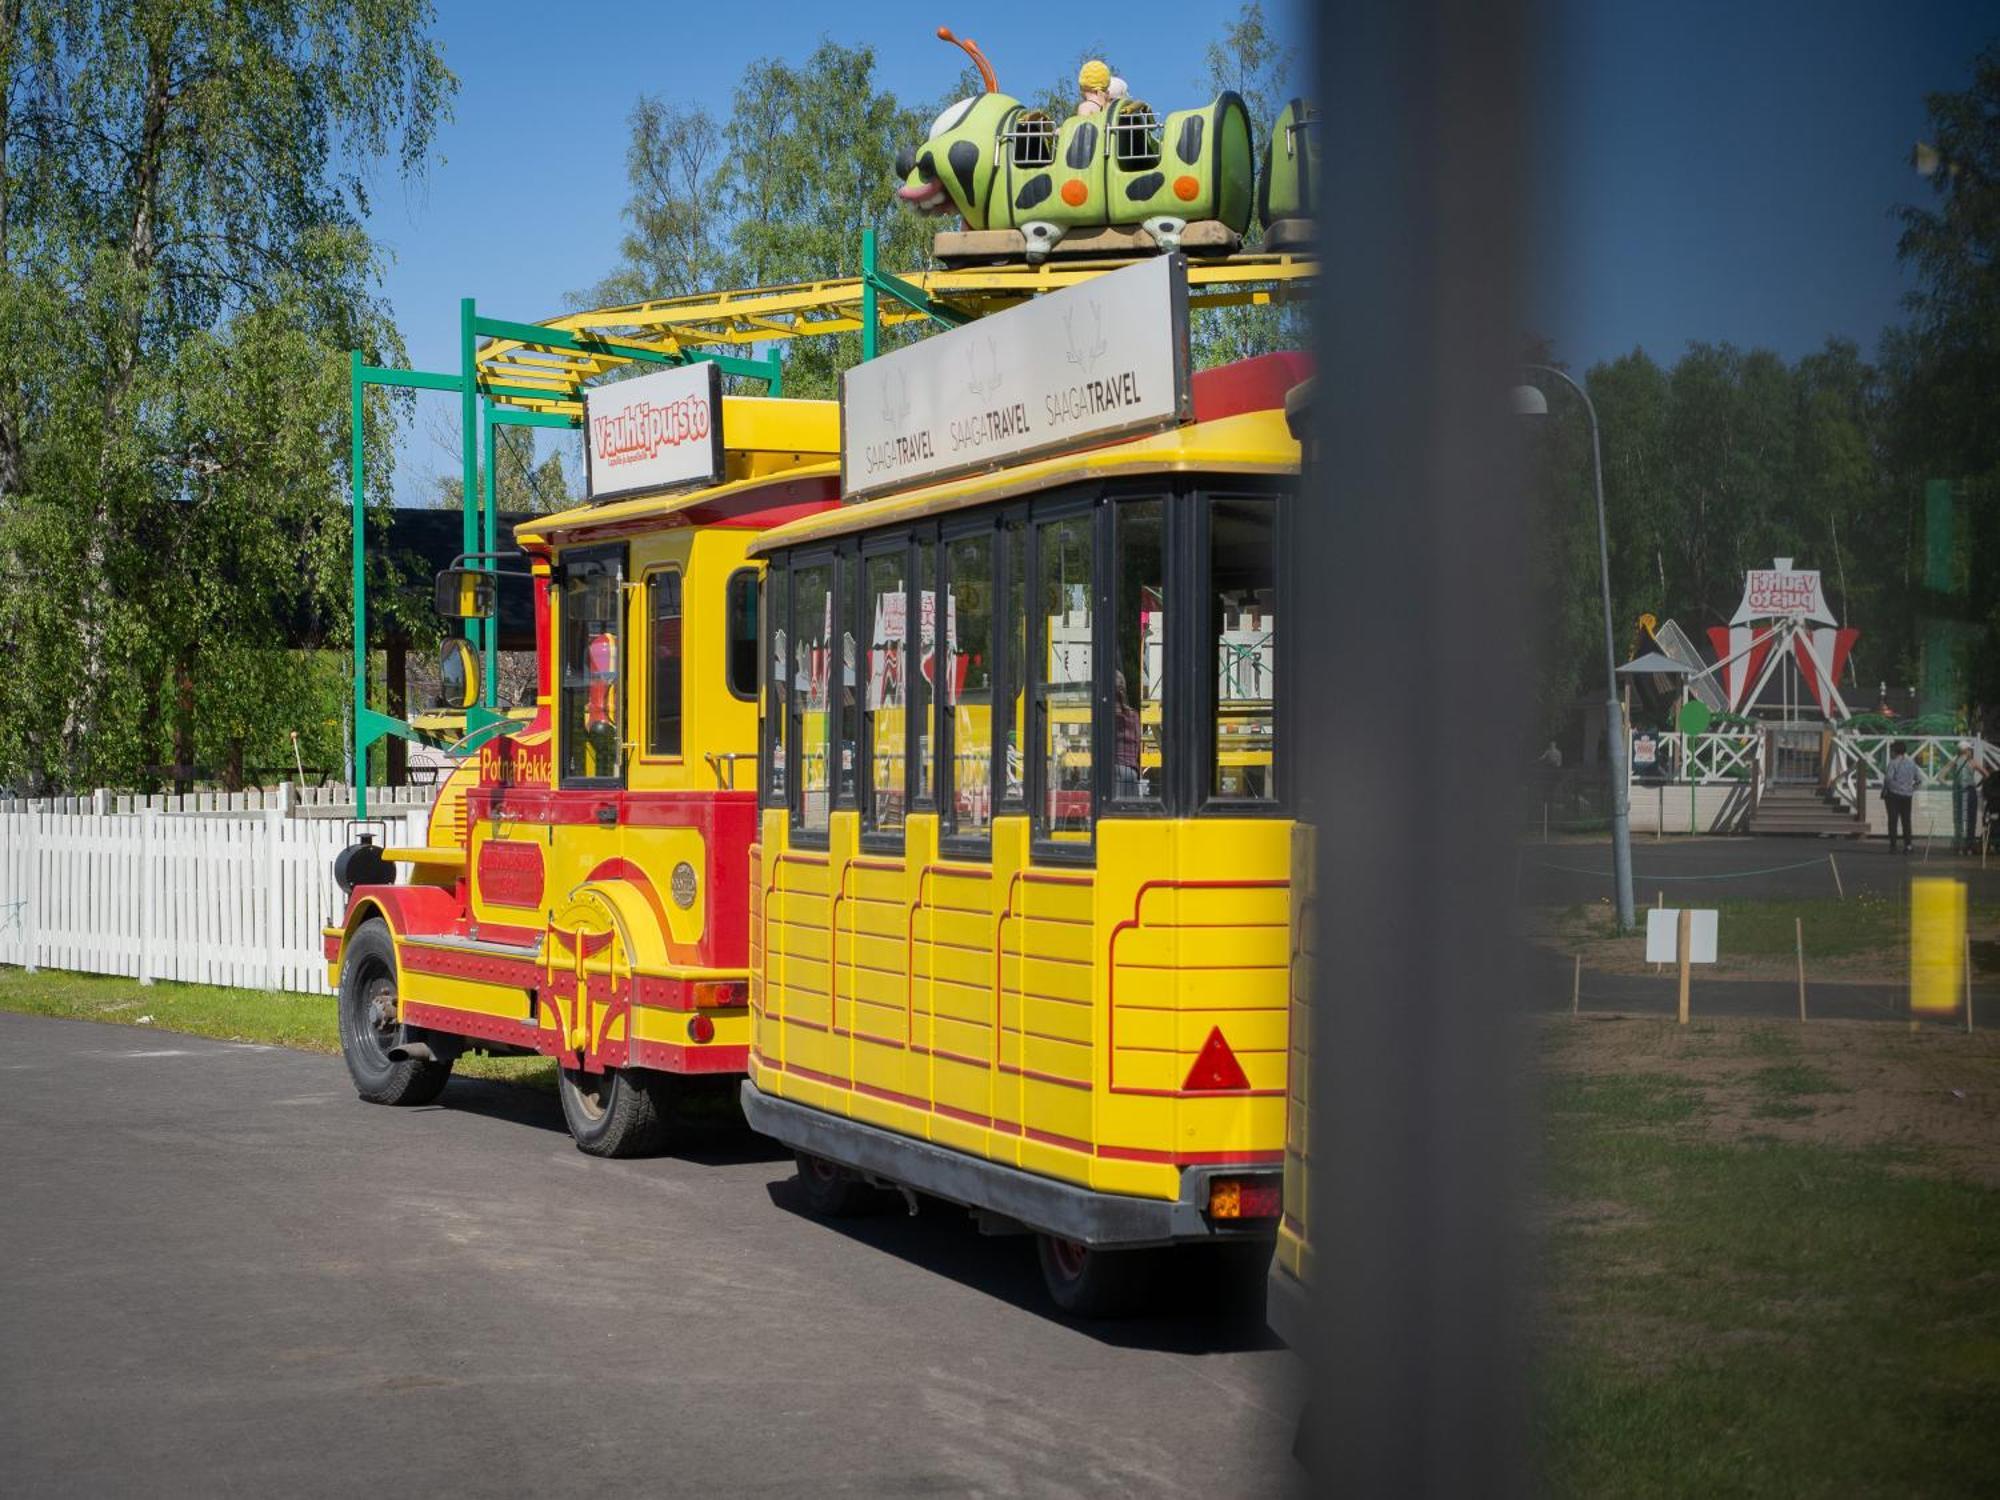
x: 286, y: 797
x: 201, y: 898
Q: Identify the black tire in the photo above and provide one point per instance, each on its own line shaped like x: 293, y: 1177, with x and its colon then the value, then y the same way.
x: 833, y: 1192
x: 1090, y: 1282
x: 369, y: 1028
x: 614, y: 1113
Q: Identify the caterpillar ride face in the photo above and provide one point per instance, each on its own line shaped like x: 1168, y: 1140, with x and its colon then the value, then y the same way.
x: 582, y: 893
x: 1021, y: 922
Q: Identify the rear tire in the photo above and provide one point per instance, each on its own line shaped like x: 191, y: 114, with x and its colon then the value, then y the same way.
x: 1088, y: 1281
x: 369, y: 1027
x: 833, y: 1192
x: 614, y: 1113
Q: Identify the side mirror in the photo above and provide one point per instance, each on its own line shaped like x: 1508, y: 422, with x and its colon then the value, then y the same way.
x: 458, y: 675
x: 465, y: 594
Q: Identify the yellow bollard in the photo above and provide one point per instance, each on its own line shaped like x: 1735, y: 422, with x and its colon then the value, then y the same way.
x: 1937, y: 945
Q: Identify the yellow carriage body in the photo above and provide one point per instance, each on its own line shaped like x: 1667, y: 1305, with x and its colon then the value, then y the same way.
x: 1060, y: 995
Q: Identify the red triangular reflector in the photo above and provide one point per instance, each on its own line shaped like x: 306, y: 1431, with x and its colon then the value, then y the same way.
x: 1217, y: 1067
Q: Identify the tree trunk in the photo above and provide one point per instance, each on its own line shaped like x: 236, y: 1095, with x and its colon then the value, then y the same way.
x: 396, y: 680
x: 184, y: 721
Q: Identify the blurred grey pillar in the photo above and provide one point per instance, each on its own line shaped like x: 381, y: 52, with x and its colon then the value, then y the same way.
x: 1411, y: 691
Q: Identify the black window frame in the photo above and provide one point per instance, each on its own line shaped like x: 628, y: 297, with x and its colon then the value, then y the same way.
x: 1006, y: 671
x: 875, y: 838
x: 976, y: 844
x: 1167, y: 804
x: 753, y: 577
x: 849, y: 584
x: 1062, y: 505
x: 827, y: 556
x: 576, y: 558
x: 646, y: 580
x: 1203, y: 801
x: 777, y: 574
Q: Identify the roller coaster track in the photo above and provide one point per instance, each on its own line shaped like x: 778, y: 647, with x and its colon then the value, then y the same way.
x: 762, y: 315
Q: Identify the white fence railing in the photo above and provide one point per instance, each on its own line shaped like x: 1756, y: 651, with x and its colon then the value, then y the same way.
x: 297, y: 801
x: 206, y: 899
x: 1855, y: 758
x: 1862, y: 760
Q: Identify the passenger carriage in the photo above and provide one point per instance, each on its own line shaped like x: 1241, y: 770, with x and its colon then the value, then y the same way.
x: 1020, y: 902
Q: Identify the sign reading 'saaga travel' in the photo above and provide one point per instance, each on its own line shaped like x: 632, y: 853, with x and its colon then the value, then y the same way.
x: 1105, y: 358
x: 657, y: 432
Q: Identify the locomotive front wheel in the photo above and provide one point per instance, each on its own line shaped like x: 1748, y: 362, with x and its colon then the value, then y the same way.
x: 833, y: 1192
x: 369, y: 1028
x: 1092, y: 1282
x: 613, y: 1113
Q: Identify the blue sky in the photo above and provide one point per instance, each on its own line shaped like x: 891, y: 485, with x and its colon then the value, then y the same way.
x: 1717, y: 171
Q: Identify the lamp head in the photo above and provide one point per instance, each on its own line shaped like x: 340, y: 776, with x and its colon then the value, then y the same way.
x: 1530, y: 402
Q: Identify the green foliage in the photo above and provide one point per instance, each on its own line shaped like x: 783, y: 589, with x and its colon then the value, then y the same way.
x: 181, y: 197
x: 1945, y: 366
x: 1712, y: 467
x: 782, y: 189
x: 1250, y: 59
x: 520, y: 483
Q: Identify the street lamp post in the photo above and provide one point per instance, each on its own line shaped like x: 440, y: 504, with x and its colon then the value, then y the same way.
x: 1530, y: 401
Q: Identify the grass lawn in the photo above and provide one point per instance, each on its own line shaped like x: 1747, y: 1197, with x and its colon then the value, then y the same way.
x: 1774, y: 1258
x: 302, y: 1021
x: 1865, y: 937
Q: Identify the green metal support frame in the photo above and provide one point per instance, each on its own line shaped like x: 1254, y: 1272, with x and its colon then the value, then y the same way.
x: 875, y: 282
x: 370, y: 726
x: 482, y: 408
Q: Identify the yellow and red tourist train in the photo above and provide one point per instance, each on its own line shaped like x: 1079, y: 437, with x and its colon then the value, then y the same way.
x: 583, y: 891
x: 919, y: 773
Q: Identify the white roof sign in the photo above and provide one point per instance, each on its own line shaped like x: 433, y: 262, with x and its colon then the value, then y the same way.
x: 1769, y: 593
x: 656, y: 432
x: 1105, y: 358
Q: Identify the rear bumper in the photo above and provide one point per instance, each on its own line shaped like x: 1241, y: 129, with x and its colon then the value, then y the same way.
x: 1288, y: 1309
x: 1035, y: 1202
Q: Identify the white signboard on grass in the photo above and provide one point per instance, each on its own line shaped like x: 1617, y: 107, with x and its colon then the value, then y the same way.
x: 1103, y: 359
x: 1663, y: 926
x: 656, y: 432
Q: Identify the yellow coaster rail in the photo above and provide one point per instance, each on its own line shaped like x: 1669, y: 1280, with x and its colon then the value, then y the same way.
x: 539, y: 376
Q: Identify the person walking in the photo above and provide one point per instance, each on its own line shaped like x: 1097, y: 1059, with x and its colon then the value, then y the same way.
x: 1961, y: 780
x: 1899, y: 790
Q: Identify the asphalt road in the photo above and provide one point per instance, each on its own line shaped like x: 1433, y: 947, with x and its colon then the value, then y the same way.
x: 226, y: 1275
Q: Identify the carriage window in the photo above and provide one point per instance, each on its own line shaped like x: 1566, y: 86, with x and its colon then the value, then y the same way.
x: 812, y: 672
x: 1138, y: 670
x: 1242, y: 623
x: 777, y: 589
x: 1063, y: 605
x: 1014, y: 769
x: 663, y: 680
x: 1135, y: 137
x: 1031, y: 140
x: 740, y: 634
x: 968, y: 679
x: 924, y: 687
x: 845, y: 689
x: 592, y: 603
x: 888, y: 688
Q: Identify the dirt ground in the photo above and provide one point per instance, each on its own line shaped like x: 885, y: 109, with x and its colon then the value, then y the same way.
x: 1854, y: 1084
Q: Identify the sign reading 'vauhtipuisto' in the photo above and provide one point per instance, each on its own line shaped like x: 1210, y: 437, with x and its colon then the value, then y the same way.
x: 1105, y: 358
x: 658, y: 432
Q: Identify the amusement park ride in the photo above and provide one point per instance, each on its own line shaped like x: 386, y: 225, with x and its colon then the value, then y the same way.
x: 869, y: 774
